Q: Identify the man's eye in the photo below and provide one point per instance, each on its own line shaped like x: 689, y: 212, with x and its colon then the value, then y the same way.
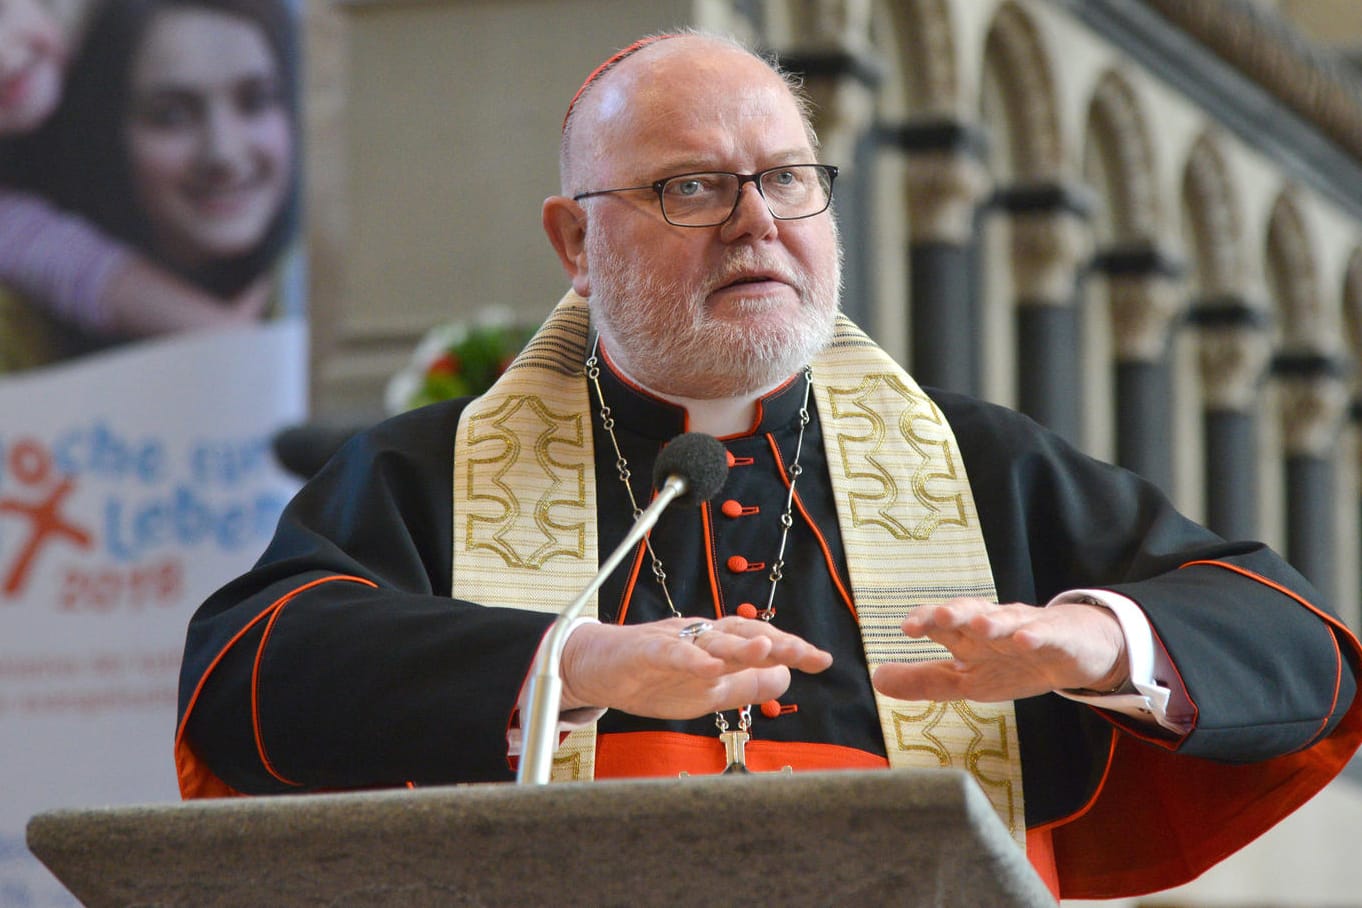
x: 688, y: 188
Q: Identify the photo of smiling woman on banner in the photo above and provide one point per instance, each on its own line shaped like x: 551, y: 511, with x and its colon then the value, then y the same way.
x: 159, y: 193
x: 153, y: 340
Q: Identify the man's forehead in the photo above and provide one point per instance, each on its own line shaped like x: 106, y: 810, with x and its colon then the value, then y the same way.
x: 691, y: 57
x: 686, y: 99
x: 689, y: 87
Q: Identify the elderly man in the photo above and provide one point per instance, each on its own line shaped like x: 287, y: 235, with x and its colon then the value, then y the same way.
x: 837, y: 605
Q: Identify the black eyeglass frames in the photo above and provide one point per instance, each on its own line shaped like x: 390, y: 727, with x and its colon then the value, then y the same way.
x: 709, y: 198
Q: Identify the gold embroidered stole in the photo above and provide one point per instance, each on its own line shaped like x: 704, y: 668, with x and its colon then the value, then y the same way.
x: 525, y: 532
x: 525, y: 491
x: 912, y: 538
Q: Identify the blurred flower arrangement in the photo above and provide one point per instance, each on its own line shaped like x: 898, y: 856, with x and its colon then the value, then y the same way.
x: 458, y: 359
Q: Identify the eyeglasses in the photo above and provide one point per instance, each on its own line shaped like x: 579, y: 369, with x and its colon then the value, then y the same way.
x: 709, y: 198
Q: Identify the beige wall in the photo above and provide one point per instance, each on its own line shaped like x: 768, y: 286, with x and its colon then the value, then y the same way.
x: 1334, y: 23
x: 433, y: 148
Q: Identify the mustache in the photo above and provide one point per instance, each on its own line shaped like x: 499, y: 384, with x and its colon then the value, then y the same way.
x: 745, y: 262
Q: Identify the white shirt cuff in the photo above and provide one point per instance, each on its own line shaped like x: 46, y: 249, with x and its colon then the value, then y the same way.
x: 1152, y: 700
x: 568, y: 719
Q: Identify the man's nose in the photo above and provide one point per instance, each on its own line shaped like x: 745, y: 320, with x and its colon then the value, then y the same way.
x: 751, y: 217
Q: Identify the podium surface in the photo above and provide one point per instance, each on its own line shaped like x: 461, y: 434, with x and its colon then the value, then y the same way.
x: 904, y: 838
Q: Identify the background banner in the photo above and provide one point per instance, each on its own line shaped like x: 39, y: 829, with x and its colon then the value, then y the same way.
x: 152, y: 343
x: 135, y: 484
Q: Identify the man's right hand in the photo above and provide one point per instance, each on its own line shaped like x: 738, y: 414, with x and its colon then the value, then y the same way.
x: 649, y: 670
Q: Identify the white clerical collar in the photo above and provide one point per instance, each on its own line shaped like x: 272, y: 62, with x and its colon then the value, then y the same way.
x: 719, y: 417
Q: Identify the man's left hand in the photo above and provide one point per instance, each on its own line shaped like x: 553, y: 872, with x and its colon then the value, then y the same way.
x: 1006, y: 652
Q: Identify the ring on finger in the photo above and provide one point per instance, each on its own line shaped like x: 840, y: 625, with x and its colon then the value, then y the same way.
x: 695, y: 629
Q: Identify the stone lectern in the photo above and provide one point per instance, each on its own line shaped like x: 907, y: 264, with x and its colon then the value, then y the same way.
x: 906, y: 838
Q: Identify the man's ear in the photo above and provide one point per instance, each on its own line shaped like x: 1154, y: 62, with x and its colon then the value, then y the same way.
x: 565, y: 225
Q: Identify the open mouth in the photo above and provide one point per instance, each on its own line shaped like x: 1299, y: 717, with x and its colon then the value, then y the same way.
x: 750, y: 279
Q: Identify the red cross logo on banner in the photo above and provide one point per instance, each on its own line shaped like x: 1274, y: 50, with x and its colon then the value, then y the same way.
x: 31, y: 464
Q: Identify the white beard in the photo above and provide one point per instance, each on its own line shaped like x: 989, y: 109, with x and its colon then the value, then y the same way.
x: 661, y: 334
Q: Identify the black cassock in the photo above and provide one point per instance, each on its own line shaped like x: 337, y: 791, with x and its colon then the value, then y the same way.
x: 297, y: 678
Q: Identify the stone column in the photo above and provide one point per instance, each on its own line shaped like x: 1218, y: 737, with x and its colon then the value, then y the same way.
x: 1355, y: 416
x: 1314, y: 397
x: 1234, y: 352
x: 842, y: 75
x: 1144, y: 295
x: 946, y: 181
x: 1051, y: 242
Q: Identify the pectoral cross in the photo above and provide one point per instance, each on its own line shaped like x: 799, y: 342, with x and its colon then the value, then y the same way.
x: 735, y: 745
x: 735, y: 749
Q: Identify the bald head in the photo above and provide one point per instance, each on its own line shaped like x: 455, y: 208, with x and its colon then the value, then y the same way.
x: 656, y: 77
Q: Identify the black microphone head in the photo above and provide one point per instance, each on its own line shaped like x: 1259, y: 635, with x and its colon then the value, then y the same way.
x: 700, y: 459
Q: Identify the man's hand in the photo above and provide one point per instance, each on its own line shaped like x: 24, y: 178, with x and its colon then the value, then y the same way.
x: 647, y: 670
x: 1005, y: 652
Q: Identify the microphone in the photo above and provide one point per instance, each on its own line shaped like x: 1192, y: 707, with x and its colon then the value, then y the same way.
x: 695, y: 461
x: 691, y: 469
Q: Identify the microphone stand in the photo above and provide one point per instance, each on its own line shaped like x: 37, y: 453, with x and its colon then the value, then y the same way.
x: 540, y: 729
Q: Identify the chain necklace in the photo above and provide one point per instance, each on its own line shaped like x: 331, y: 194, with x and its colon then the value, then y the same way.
x: 734, y: 741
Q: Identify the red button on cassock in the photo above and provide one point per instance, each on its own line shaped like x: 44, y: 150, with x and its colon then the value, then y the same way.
x: 737, y: 564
